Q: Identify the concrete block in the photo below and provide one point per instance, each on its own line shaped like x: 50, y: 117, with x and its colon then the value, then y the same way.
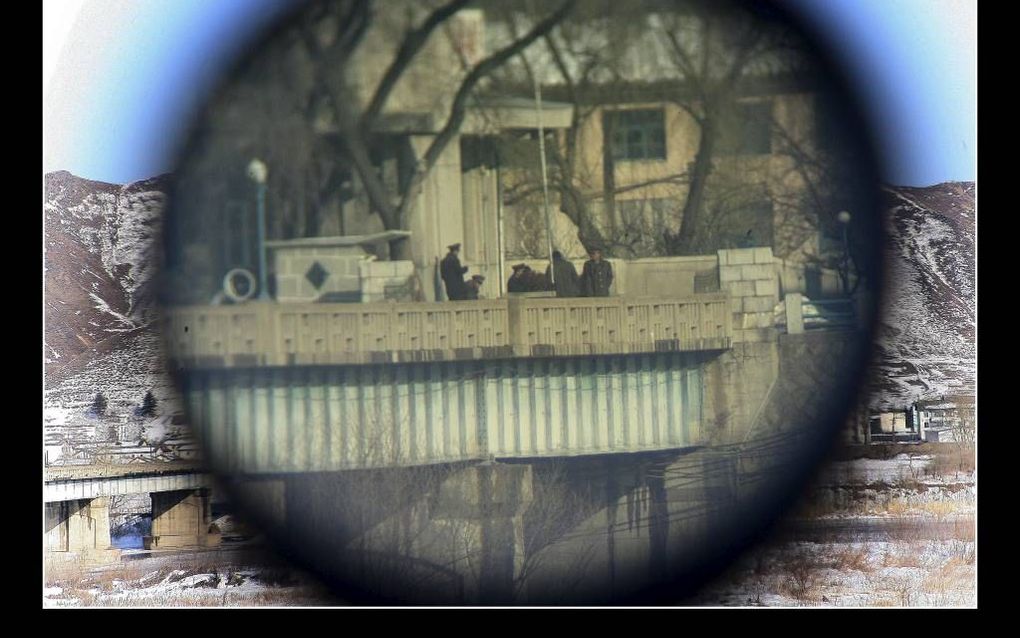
x: 724, y: 257
x: 741, y: 288
x: 335, y: 265
x: 758, y: 304
x: 728, y: 274
x: 287, y: 286
x: 766, y: 288
x: 736, y: 304
x: 763, y: 255
x: 739, y: 256
x: 756, y: 271
x: 305, y: 288
x: 284, y: 264
x: 761, y: 335
x: 794, y: 314
x: 754, y: 320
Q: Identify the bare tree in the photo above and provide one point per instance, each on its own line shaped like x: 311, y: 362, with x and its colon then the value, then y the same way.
x: 692, y: 56
x: 332, y: 50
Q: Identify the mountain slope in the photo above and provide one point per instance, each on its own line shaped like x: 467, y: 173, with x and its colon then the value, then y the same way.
x: 99, y: 261
x: 100, y: 257
x: 926, y: 343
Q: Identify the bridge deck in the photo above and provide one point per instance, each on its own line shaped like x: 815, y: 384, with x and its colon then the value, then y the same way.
x: 270, y: 334
x: 69, y: 482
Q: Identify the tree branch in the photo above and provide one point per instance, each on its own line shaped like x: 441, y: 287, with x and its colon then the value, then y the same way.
x: 413, y: 42
x: 459, y: 106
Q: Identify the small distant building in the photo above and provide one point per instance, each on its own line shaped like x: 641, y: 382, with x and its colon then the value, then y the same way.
x: 893, y: 426
x: 946, y: 418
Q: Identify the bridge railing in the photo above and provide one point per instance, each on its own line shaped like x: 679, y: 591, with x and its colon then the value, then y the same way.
x: 259, y: 334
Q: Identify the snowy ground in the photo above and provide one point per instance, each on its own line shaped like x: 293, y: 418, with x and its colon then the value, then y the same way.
x: 872, y: 532
x: 233, y: 577
x: 893, y: 535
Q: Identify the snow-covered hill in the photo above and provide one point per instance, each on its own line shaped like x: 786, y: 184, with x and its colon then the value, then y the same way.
x: 100, y: 242
x: 926, y: 344
x: 100, y: 335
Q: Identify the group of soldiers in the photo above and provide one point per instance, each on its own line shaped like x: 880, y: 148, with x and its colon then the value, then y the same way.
x: 594, y: 281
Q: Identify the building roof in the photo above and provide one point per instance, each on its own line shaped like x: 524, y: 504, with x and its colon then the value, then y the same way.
x: 489, y: 114
x: 339, y: 240
x: 671, y: 90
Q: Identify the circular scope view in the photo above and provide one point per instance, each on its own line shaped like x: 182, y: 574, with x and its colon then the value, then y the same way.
x: 515, y: 302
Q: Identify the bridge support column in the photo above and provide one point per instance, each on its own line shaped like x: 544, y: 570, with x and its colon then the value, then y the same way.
x: 181, y: 519
x: 263, y: 499
x: 82, y: 528
x: 488, y: 501
x: 794, y: 313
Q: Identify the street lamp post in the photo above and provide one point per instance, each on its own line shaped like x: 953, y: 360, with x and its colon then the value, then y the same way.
x: 258, y: 173
x: 844, y: 220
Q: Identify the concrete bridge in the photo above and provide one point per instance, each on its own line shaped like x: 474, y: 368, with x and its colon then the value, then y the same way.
x: 428, y: 433
x: 443, y: 417
x: 77, y: 502
x: 322, y: 387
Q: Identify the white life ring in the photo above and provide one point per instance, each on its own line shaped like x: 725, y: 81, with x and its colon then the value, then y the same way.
x: 230, y: 290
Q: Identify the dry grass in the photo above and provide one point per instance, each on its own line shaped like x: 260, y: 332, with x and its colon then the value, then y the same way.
x: 907, y: 593
x: 909, y: 555
x: 800, y: 578
x: 952, y: 462
x: 965, y: 530
x: 945, y: 586
x: 851, y: 557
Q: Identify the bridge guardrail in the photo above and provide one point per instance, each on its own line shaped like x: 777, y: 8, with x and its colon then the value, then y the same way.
x: 803, y: 314
x: 265, y: 334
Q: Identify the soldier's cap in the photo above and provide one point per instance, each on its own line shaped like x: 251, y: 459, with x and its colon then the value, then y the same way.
x: 478, y: 278
x: 454, y: 246
x: 517, y: 267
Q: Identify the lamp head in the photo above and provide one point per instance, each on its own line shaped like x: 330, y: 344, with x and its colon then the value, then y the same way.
x: 257, y: 171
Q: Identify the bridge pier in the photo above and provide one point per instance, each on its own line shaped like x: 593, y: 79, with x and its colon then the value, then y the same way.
x: 263, y: 499
x: 181, y: 518
x: 80, y: 527
x: 487, y: 502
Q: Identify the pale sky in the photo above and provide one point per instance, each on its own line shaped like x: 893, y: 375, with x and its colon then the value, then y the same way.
x: 122, y: 77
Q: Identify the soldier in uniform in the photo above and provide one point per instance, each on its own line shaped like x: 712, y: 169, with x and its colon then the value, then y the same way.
x: 518, y: 281
x: 453, y: 274
x: 597, y: 275
x: 472, y: 286
x: 567, y: 283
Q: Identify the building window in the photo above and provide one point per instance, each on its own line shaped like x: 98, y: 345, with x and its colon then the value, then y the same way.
x: 636, y: 135
x: 750, y: 130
